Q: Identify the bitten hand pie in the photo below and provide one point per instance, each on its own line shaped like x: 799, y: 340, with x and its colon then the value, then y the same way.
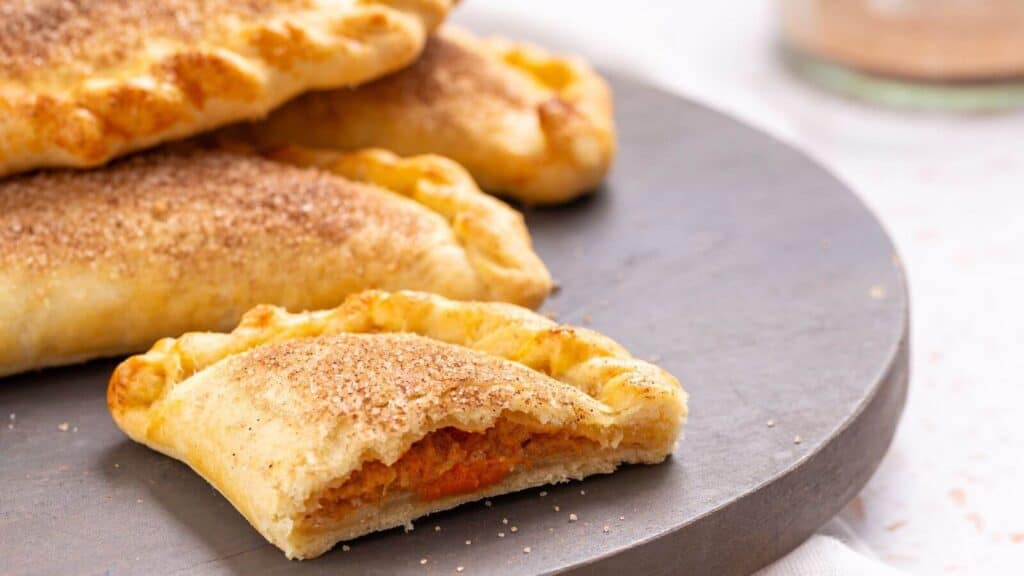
x: 84, y: 81
x: 324, y: 426
x: 105, y: 262
x: 525, y: 123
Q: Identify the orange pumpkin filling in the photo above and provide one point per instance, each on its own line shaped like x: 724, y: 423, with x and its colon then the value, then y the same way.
x: 446, y: 462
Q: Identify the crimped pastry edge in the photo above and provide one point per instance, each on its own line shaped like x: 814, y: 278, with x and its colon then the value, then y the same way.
x: 575, y: 118
x: 582, y: 358
x: 494, y: 235
x: 578, y: 123
x: 81, y: 126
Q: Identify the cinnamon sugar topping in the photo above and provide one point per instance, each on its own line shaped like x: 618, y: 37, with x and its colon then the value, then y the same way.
x: 35, y: 34
x: 187, y: 207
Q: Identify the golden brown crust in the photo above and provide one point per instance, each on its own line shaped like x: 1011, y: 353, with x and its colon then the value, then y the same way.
x: 494, y: 236
x: 526, y: 123
x: 107, y: 261
x: 83, y: 81
x: 300, y: 401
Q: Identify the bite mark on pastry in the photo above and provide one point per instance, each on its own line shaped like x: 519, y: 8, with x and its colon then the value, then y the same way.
x: 445, y: 463
x: 392, y: 406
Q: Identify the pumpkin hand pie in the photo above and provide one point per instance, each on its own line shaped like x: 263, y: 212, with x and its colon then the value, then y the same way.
x: 323, y: 426
x: 82, y: 82
x: 526, y: 123
x: 104, y: 262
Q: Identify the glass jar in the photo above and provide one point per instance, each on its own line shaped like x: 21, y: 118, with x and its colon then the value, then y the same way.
x: 951, y: 54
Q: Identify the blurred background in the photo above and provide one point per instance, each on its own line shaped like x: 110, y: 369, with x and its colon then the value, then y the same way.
x: 924, y: 122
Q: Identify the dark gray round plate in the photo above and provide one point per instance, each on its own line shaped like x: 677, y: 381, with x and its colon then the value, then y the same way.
x: 723, y: 255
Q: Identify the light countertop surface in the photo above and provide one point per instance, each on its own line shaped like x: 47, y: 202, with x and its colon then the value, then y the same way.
x: 949, y: 497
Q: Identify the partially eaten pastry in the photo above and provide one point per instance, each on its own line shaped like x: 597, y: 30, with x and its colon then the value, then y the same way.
x: 531, y: 125
x: 83, y: 81
x: 324, y: 426
x: 105, y: 262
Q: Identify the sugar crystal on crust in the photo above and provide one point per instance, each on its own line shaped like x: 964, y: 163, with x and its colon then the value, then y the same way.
x: 188, y: 206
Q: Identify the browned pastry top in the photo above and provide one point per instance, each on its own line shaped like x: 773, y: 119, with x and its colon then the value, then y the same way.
x: 183, y: 204
x: 447, y: 67
x: 83, y: 81
x: 37, y: 33
x: 379, y: 380
x: 524, y: 122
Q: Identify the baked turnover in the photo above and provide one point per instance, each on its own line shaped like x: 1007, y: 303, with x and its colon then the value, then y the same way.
x: 526, y: 123
x: 84, y: 80
x: 324, y: 426
x: 103, y: 262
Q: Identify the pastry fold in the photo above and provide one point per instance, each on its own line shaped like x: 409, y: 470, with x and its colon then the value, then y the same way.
x: 528, y: 124
x: 327, y: 425
x: 104, y: 262
x: 82, y: 82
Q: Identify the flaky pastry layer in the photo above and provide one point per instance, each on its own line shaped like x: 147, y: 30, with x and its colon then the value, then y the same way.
x: 532, y: 125
x: 84, y: 81
x: 107, y: 261
x: 291, y: 414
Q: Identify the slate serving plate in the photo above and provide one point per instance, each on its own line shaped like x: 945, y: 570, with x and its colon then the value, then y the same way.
x: 725, y: 256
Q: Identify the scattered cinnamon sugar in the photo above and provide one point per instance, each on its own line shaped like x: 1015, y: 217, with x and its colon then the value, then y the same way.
x: 975, y: 519
x: 379, y: 377
x: 187, y: 206
x: 896, y: 525
x: 856, y: 508
x: 958, y: 496
x: 34, y: 35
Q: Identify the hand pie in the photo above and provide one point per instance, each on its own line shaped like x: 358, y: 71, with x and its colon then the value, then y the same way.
x: 82, y: 82
x: 525, y: 123
x: 98, y: 263
x: 324, y: 426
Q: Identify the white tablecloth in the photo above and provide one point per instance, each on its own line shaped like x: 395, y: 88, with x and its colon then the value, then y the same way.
x: 827, y: 556
x: 948, y: 498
